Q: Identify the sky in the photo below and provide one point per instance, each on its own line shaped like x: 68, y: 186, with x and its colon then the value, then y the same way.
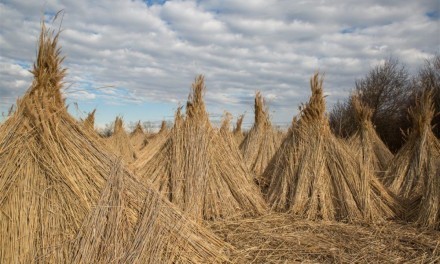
x: 137, y: 59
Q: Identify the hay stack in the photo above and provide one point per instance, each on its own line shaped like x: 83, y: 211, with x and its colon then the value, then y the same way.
x: 119, y: 142
x: 262, y: 141
x: 371, y: 151
x: 411, y: 174
x: 196, y: 170
x: 315, y: 176
x: 138, y: 139
x: 238, y: 133
x: 53, y: 171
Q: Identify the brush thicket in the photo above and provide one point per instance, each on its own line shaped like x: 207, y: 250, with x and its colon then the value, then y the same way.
x: 372, y: 153
x: 261, y: 142
x: 198, y: 171
x: 412, y: 173
x: 119, y: 142
x: 315, y: 176
x: 53, y: 172
x: 237, y: 132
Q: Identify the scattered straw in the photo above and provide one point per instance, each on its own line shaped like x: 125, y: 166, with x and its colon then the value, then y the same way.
x: 278, y: 238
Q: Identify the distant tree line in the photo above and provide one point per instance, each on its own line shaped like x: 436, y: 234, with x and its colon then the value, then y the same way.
x: 148, y: 127
x: 389, y: 90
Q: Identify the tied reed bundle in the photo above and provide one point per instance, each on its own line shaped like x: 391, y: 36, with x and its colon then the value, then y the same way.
x: 138, y: 139
x: 372, y: 153
x: 262, y: 141
x: 153, y: 145
x: 89, y: 122
x: 119, y: 142
x: 198, y: 171
x: 412, y: 172
x: 238, y: 133
x: 315, y: 176
x: 53, y: 172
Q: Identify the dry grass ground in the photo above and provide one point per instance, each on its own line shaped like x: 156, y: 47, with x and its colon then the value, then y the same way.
x: 280, y: 238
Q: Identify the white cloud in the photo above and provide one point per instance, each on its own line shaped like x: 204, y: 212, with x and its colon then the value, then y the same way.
x: 126, y: 52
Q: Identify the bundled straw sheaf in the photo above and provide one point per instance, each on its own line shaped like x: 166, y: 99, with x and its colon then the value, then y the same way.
x: 89, y: 122
x: 372, y: 153
x: 152, y: 146
x: 237, y: 132
x: 412, y: 172
x: 315, y: 176
x: 161, y: 235
x: 198, y: 171
x: 119, y: 142
x: 106, y: 231
x: 53, y: 172
x: 138, y: 138
x: 262, y: 141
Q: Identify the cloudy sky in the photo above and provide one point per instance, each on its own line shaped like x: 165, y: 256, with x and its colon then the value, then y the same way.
x: 138, y: 58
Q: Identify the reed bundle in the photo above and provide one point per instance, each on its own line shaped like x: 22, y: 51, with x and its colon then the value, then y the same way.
x: 197, y: 171
x: 119, y: 142
x: 412, y: 172
x: 53, y: 172
x: 89, y: 122
x: 138, y: 138
x: 315, y: 176
x: 261, y: 142
x: 372, y: 153
x: 237, y: 132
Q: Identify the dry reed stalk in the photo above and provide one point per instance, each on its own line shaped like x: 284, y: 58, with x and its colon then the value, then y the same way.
x: 412, y: 172
x: 373, y: 154
x: 262, y: 141
x: 197, y: 171
x: 237, y: 132
x: 119, y: 142
x: 278, y: 238
x: 53, y: 171
x: 315, y: 176
x: 138, y: 138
